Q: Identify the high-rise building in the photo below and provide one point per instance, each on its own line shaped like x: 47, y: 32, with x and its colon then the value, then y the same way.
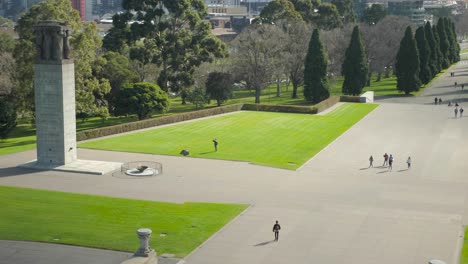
x: 85, y: 7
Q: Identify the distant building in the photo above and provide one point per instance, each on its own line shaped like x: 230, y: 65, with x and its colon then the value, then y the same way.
x: 85, y: 8
x: 414, y: 10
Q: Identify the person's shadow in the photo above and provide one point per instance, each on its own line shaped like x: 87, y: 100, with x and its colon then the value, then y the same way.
x: 264, y: 243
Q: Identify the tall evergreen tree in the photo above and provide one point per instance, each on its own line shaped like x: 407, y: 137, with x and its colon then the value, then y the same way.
x: 355, y: 68
x: 454, y: 51
x: 444, y: 43
x: 315, y: 71
x: 425, y: 74
x: 433, y: 60
x: 407, y: 64
x: 439, y: 52
x: 457, y: 46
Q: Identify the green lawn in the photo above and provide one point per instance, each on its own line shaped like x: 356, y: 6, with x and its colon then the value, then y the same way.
x: 464, y: 253
x: 272, y: 139
x: 105, y: 222
x: 464, y: 51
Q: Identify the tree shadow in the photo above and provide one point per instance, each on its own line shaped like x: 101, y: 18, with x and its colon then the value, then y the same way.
x: 264, y: 243
x: 5, y: 144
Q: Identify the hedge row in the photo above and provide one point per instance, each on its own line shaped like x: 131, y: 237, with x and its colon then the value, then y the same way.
x: 350, y: 99
x: 127, y: 127
x: 280, y: 108
x: 131, y: 126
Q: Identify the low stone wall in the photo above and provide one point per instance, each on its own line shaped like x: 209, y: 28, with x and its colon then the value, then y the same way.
x: 367, y: 97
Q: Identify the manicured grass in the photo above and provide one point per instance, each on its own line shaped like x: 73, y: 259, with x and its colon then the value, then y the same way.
x: 464, y: 51
x: 272, y: 139
x: 464, y: 253
x: 106, y: 222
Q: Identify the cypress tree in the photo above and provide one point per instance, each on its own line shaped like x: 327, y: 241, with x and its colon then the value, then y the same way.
x: 433, y: 59
x: 355, y: 69
x: 407, y: 64
x: 315, y: 71
x: 439, y: 52
x: 425, y: 74
x: 444, y: 43
x: 454, y: 46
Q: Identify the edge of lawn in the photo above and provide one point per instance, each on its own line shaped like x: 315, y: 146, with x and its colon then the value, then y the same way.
x: 96, y: 228
x: 372, y: 107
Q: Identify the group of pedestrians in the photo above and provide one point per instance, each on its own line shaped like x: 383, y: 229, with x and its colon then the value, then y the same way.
x: 388, y: 161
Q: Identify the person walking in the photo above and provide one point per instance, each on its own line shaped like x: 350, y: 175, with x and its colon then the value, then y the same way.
x: 456, y: 112
x: 461, y: 111
x: 371, y: 161
x: 390, y: 162
x: 385, y: 161
x: 436, y: 100
x: 276, y: 229
x: 440, y: 100
x: 408, y: 161
x: 463, y: 86
x: 456, y: 84
x: 215, y: 142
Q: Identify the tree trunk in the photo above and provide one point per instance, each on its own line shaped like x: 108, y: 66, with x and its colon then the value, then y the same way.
x: 294, y: 93
x: 368, y: 78
x: 257, y: 95
x: 278, y: 87
x: 218, y: 102
x: 379, y: 76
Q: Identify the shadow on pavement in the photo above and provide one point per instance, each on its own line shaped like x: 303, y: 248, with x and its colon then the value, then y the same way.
x: 14, y: 171
x: 264, y: 243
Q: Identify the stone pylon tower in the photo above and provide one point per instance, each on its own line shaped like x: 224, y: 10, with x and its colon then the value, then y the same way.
x: 54, y: 95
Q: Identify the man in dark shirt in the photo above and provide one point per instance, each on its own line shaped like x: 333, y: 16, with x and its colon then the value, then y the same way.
x: 215, y: 142
x: 276, y: 229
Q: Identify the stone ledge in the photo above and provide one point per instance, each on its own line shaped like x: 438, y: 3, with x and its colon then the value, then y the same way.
x: 77, y: 166
x: 151, y: 259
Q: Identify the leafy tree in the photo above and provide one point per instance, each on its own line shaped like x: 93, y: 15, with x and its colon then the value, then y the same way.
x: 142, y: 99
x: 444, y: 43
x: 7, y: 117
x: 433, y: 62
x: 84, y: 43
x: 346, y: 10
x: 7, y: 43
x: 198, y: 97
x: 315, y: 71
x: 5, y: 22
x: 219, y: 86
x: 306, y: 8
x: 355, y: 68
x: 407, y: 64
x: 374, y: 13
x: 425, y: 74
x: 328, y: 17
x: 279, y: 10
x: 174, y: 35
x: 117, y: 69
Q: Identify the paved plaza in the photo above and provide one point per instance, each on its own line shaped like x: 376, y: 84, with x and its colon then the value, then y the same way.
x: 334, y: 209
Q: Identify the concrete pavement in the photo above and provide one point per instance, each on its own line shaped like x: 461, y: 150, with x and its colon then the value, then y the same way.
x: 334, y: 209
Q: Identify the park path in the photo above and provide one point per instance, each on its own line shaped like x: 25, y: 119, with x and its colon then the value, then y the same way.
x: 334, y: 209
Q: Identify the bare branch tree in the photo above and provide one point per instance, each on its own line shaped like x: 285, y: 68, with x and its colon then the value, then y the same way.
x: 256, y: 52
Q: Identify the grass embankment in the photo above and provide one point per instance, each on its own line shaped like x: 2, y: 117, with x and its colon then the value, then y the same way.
x: 464, y: 253
x: 110, y: 223
x: 272, y: 139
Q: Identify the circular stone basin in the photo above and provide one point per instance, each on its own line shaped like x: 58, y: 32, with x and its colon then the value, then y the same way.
x: 136, y: 172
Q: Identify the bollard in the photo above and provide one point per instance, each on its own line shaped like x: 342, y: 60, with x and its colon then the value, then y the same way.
x: 144, y: 236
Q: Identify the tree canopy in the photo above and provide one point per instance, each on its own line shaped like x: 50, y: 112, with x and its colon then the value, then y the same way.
x: 355, y: 66
x: 407, y: 64
x: 425, y: 74
x: 84, y: 42
x: 219, y: 86
x: 316, y: 86
x: 169, y: 33
x: 142, y: 99
x: 374, y: 13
